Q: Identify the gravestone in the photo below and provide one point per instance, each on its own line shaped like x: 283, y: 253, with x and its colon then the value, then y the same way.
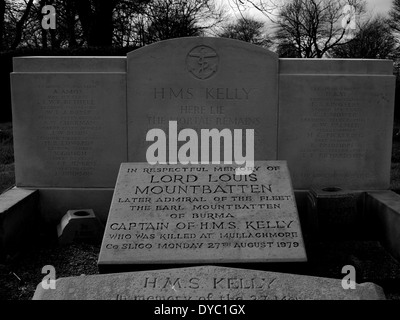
x: 335, y: 122
x: 80, y: 226
x: 76, y: 119
x: 200, y: 214
x: 69, y: 118
x: 205, y: 283
x: 202, y: 83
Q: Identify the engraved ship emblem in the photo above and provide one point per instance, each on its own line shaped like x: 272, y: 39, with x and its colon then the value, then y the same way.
x: 202, y: 62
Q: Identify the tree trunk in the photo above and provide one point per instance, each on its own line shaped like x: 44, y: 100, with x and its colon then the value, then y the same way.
x: 20, y: 25
x: 101, y: 33
x: 55, y: 44
x: 2, y: 14
x: 44, y: 39
x: 43, y: 31
x: 97, y: 24
x: 85, y: 16
x: 70, y: 20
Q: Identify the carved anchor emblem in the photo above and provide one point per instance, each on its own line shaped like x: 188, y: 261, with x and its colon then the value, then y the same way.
x: 202, y: 62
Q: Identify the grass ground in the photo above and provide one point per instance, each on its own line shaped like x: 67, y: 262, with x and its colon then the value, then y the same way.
x: 18, y: 280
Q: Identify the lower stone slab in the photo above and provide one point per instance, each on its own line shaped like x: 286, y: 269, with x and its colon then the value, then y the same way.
x: 208, y: 282
x: 384, y: 208
x: 199, y: 215
x: 18, y: 220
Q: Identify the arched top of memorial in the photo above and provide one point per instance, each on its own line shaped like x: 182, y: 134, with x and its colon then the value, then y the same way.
x: 182, y: 44
x: 202, y: 83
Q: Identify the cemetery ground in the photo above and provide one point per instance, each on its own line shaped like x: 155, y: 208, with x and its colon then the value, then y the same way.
x: 6, y: 157
x: 20, y: 275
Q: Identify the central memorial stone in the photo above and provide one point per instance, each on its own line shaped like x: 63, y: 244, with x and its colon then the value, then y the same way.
x: 202, y: 83
x: 201, y: 214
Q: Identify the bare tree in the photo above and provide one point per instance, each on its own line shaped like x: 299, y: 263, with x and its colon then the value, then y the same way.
x: 44, y: 32
x: 20, y: 24
x: 68, y: 32
x: 34, y: 35
x: 269, y: 8
x: 129, y: 25
x: 313, y: 27
x: 105, y: 22
x: 374, y: 40
x: 97, y: 18
x: 2, y: 21
x: 168, y: 19
x: 69, y: 21
x: 246, y: 29
x: 395, y: 16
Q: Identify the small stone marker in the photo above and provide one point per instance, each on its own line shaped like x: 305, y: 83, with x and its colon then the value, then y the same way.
x: 205, y: 283
x: 80, y: 226
x: 201, y: 214
x: 332, y: 209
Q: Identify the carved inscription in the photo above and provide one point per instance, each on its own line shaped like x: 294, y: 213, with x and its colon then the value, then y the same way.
x: 71, y: 125
x: 196, y: 213
x: 240, y: 286
x: 203, y: 84
x: 336, y: 124
x: 205, y: 283
x: 210, y: 107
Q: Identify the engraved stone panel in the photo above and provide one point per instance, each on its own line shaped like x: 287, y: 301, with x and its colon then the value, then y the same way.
x: 175, y: 214
x: 69, y: 128
x: 202, y: 83
x: 205, y: 283
x: 335, y: 130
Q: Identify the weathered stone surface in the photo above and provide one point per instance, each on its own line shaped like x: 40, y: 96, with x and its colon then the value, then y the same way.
x: 80, y: 226
x: 69, y: 128
x: 335, y: 66
x: 205, y: 283
x: 335, y: 127
x: 69, y: 64
x: 335, y: 116
x: 202, y: 83
x: 18, y: 220
x: 166, y: 214
x: 384, y: 208
x: 332, y: 209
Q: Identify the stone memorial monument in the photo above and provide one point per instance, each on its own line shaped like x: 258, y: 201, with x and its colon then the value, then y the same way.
x: 205, y: 283
x: 203, y: 84
x: 76, y: 119
x: 334, y: 117
x: 201, y: 214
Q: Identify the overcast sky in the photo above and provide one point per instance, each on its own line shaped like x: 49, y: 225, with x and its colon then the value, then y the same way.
x: 379, y: 6
x: 373, y: 7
